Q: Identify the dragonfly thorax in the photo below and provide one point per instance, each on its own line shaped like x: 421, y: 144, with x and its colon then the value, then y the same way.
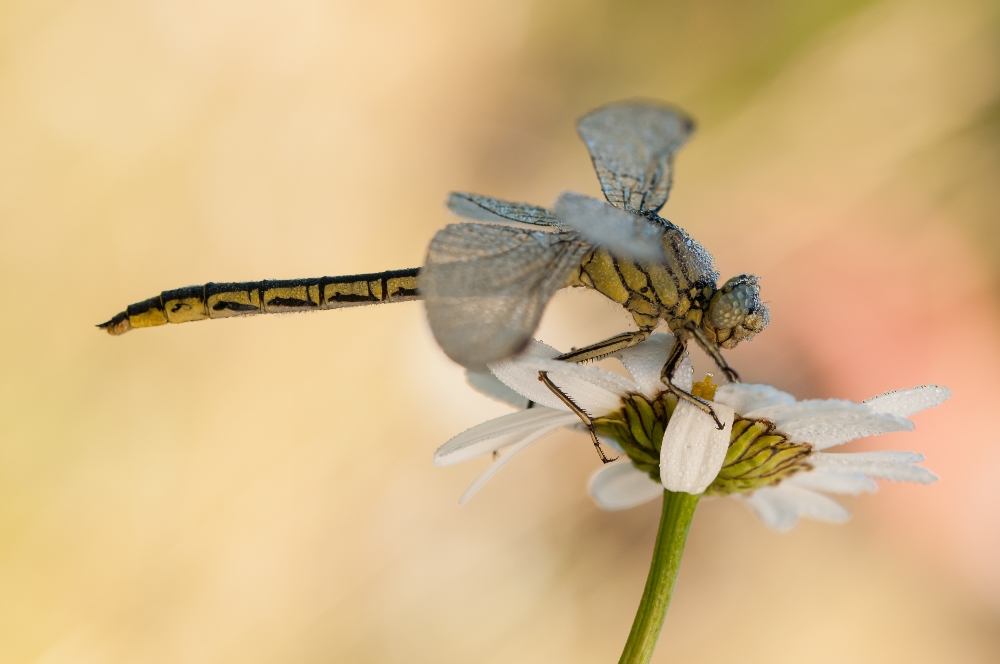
x: 655, y: 292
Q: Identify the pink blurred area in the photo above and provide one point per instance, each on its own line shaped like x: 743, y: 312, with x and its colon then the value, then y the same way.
x: 909, y: 308
x: 261, y: 490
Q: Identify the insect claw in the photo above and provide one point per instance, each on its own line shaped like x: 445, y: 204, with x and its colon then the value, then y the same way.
x: 597, y: 443
x: 711, y: 411
x: 597, y: 446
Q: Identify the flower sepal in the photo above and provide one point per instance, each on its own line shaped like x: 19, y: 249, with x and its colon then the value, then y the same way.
x: 758, y: 457
x: 637, y: 428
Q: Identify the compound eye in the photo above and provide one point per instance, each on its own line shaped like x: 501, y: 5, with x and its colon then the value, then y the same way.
x: 732, y: 308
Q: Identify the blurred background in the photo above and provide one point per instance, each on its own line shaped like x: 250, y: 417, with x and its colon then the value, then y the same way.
x: 261, y: 489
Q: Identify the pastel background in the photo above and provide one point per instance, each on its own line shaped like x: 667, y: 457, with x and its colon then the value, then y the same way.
x: 261, y: 490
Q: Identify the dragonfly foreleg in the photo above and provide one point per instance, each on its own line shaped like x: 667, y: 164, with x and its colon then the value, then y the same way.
x: 713, y: 352
x: 602, y: 349
x: 676, y: 354
x: 587, y: 420
x: 617, y: 343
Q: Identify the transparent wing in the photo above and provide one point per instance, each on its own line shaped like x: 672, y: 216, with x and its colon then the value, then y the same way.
x: 632, y: 145
x: 486, y: 287
x: 622, y: 233
x: 484, y: 208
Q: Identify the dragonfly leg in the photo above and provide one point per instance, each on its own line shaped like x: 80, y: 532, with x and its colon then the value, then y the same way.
x: 544, y: 377
x: 713, y: 352
x: 596, y: 351
x: 676, y: 354
x: 602, y: 349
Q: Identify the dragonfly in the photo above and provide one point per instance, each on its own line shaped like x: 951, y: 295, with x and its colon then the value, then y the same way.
x: 486, y: 281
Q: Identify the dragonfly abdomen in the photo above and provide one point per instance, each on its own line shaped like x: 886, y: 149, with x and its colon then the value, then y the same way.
x: 225, y: 300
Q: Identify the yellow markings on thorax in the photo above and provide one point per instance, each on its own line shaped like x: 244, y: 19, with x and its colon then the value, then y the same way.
x: 645, y: 313
x: 663, y: 285
x: 693, y: 316
x: 649, y: 291
x: 641, y: 302
x: 635, y: 278
x: 601, y: 270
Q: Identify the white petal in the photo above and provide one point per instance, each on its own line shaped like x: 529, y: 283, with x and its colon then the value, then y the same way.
x: 486, y: 383
x: 781, y: 506
x: 774, y: 509
x: 492, y: 434
x: 817, y: 506
x: 606, y: 380
x: 828, y: 422
x: 619, y: 486
x: 645, y: 363
x: 785, y: 412
x: 596, y: 391
x: 828, y: 430
x: 607, y: 442
x: 494, y: 467
x: 748, y: 397
x: 524, y: 380
x: 693, y: 448
x: 898, y: 466
x: 832, y: 481
x: 904, y: 403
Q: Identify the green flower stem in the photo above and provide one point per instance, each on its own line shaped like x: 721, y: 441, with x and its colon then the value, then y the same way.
x: 675, y: 521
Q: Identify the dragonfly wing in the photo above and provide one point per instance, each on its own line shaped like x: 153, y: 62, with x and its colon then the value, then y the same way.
x: 484, y: 208
x: 622, y: 233
x: 486, y: 287
x: 632, y: 145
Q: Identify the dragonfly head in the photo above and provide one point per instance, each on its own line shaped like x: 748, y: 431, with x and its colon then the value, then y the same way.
x: 736, y: 312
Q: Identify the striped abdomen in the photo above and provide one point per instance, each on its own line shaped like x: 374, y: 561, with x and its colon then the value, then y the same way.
x: 266, y: 297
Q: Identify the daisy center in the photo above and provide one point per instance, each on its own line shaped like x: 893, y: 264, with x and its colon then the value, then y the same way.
x: 757, y: 456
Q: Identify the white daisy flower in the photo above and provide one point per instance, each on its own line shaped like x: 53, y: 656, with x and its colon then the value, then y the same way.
x: 770, y: 454
x: 689, y: 463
